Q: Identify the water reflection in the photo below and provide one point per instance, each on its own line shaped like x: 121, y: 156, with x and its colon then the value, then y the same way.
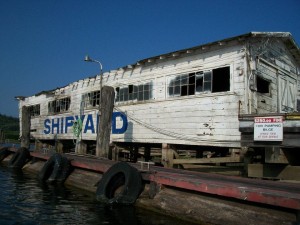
x: 26, y: 200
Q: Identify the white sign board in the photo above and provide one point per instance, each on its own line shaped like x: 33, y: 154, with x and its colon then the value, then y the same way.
x: 268, y: 128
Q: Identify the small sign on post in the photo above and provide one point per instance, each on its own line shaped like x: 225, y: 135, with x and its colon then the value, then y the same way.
x: 268, y: 128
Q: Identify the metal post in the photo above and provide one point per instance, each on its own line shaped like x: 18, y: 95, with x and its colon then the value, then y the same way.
x: 88, y: 59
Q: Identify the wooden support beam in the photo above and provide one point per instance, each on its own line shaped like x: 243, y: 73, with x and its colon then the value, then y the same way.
x: 38, y: 145
x: 104, y: 126
x: 274, y: 171
x: 228, y: 159
x: 115, y: 153
x: 59, y: 147
x: 81, y: 148
x: 167, y: 155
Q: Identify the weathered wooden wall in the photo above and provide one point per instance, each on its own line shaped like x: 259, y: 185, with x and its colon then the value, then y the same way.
x: 276, y: 65
x: 202, y: 119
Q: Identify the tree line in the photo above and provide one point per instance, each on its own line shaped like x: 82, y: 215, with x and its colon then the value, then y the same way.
x: 9, y: 126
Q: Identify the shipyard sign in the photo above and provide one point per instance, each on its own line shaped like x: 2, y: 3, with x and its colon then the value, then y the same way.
x: 88, y: 124
x: 268, y: 128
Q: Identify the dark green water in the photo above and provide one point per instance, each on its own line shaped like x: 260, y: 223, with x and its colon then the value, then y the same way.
x: 24, y: 200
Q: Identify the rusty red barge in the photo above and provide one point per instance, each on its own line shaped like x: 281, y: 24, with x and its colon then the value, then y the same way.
x: 189, y: 195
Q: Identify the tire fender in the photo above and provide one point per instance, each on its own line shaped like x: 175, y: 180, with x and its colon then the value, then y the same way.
x: 120, y: 176
x: 56, y: 169
x: 20, y: 158
x: 4, y: 152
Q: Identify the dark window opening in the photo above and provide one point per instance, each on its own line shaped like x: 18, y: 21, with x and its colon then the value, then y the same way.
x: 60, y: 105
x: 191, y: 85
x: 140, y: 92
x: 118, y: 94
x: 124, y: 94
x: 91, y: 99
x: 184, y: 85
x: 130, y: 92
x: 263, y: 86
x: 199, y: 82
x: 146, y: 91
x: 95, y: 98
x: 34, y: 110
x: 216, y: 80
x: 221, y: 79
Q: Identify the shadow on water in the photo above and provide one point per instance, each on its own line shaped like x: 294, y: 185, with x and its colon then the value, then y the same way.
x: 26, y: 200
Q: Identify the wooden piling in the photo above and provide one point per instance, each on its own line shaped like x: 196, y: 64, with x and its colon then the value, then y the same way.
x: 167, y: 155
x: 25, y: 123
x: 104, y: 126
x: 81, y: 148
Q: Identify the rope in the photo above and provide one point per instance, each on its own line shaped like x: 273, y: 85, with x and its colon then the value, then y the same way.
x: 169, y: 133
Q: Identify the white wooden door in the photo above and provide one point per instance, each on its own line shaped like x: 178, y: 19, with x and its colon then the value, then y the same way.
x: 287, y: 92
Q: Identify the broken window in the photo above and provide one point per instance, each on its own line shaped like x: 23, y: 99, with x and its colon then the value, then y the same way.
x: 263, y: 86
x: 182, y: 85
x: 59, y: 105
x: 34, y: 110
x: 140, y: 92
x: 91, y: 99
x: 216, y: 80
x: 221, y: 79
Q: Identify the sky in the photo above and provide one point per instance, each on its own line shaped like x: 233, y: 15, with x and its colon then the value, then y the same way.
x: 43, y: 43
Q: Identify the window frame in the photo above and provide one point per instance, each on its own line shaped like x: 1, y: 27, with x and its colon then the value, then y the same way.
x: 91, y: 99
x: 138, y: 92
x: 203, y: 83
x: 60, y: 105
x: 35, y: 110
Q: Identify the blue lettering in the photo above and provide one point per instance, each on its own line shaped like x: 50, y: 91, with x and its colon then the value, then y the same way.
x: 89, y: 124
x: 123, y: 129
x: 62, y: 125
x: 69, y: 123
x: 47, y: 126
x: 55, y: 125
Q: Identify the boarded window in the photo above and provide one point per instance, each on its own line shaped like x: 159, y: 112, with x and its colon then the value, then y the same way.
x: 59, y: 105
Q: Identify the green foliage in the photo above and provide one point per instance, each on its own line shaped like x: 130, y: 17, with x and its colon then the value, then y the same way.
x: 10, y: 126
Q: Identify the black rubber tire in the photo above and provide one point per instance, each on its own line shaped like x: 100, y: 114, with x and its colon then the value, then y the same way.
x: 120, y: 174
x: 56, y: 169
x: 66, y: 170
x: 20, y: 158
x: 4, y: 152
x: 51, y: 168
